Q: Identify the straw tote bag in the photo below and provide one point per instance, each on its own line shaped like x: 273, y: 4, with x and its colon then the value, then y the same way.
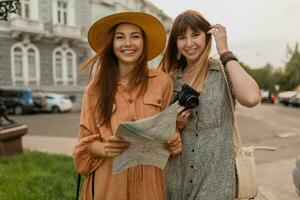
x: 247, y: 183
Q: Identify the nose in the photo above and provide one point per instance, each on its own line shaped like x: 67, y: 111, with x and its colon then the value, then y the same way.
x: 127, y: 41
x: 189, y: 41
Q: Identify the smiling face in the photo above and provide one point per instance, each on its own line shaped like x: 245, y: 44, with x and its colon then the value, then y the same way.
x: 191, y: 44
x: 128, y: 43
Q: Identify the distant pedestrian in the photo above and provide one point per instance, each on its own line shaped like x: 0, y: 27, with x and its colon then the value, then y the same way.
x: 122, y: 89
x: 205, y: 170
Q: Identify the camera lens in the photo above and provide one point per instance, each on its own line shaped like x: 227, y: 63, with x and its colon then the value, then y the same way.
x: 187, y: 97
x: 192, y: 101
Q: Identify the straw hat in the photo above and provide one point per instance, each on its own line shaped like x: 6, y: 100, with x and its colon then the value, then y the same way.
x: 154, y: 30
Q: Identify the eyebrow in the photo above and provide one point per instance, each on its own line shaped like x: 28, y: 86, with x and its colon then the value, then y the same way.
x: 130, y: 33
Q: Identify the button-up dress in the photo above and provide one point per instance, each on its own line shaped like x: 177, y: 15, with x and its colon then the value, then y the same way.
x: 205, y: 170
x: 136, y: 183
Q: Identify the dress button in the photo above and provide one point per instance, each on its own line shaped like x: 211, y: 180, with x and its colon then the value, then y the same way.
x: 196, y: 134
x: 130, y: 101
x: 193, y: 150
x: 159, y: 101
x: 197, y: 113
x: 191, y: 181
x: 192, y: 166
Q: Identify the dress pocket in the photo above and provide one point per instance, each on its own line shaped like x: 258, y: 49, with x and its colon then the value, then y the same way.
x: 210, y: 113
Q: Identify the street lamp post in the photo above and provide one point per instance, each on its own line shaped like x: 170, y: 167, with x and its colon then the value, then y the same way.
x: 6, y: 7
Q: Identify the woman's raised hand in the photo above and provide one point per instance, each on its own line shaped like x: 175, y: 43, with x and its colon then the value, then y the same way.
x: 219, y: 33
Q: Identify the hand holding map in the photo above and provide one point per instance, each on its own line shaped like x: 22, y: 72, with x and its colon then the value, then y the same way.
x: 147, y: 137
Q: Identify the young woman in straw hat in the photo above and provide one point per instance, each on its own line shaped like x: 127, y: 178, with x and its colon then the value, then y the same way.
x: 123, y: 89
x: 206, y: 168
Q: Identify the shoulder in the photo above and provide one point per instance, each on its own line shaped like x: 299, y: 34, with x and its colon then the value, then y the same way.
x: 159, y: 80
x: 156, y: 72
x: 90, y: 88
x: 174, y: 75
x: 215, y: 64
x: 89, y: 98
x: 158, y: 75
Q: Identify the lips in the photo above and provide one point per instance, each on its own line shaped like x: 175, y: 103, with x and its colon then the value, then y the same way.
x: 128, y: 51
x: 191, y: 51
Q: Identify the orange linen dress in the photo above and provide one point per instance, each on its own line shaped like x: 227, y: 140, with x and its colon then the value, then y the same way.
x: 136, y: 183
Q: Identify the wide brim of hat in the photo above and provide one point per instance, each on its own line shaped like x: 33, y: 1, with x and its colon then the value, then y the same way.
x: 154, y: 30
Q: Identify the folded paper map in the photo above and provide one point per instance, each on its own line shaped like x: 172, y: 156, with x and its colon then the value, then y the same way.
x: 147, y: 137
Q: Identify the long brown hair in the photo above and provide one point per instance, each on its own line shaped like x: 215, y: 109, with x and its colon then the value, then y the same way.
x: 105, y: 72
x: 169, y: 62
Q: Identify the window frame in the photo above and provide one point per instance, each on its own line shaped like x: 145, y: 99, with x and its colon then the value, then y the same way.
x: 65, y: 80
x: 25, y: 78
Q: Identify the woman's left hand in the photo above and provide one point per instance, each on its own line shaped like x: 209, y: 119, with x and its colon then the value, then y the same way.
x: 219, y: 33
x: 174, y: 145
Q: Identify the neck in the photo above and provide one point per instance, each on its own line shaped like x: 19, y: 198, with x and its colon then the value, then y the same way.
x: 189, y: 67
x: 192, y: 63
x: 125, y: 72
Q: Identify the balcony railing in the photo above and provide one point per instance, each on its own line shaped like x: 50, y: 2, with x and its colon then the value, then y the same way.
x: 67, y: 32
x: 24, y: 25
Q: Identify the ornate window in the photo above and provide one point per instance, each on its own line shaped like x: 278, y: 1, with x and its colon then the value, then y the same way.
x: 25, y: 64
x: 64, y: 66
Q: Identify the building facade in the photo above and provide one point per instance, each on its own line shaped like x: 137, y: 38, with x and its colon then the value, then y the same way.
x: 42, y: 45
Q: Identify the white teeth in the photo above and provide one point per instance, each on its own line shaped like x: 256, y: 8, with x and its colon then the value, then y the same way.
x: 191, y: 51
x: 127, y: 51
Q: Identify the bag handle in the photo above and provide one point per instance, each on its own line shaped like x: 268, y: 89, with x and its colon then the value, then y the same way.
x: 237, y: 138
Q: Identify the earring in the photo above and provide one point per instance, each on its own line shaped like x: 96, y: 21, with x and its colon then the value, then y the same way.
x: 178, y: 55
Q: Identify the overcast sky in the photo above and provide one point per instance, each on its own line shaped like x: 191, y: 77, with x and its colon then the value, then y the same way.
x: 258, y: 31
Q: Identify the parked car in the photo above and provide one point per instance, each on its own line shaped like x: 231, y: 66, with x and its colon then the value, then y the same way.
x: 284, y: 97
x: 295, y: 101
x: 296, y: 176
x: 267, y: 97
x: 57, y: 103
x: 20, y: 101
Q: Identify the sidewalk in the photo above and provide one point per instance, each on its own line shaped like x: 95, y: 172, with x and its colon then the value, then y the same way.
x: 275, y: 178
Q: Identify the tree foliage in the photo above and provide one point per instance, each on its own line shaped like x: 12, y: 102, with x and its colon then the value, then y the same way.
x: 287, y: 79
x: 292, y: 69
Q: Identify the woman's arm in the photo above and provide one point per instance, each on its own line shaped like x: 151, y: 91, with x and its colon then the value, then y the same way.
x: 84, y: 161
x: 244, y: 86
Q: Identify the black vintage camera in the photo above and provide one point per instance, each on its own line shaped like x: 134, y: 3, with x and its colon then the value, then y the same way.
x: 187, y: 97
